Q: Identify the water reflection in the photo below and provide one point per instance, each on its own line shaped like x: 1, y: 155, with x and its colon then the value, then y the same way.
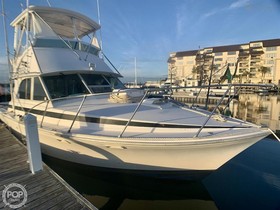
x: 258, y: 109
x: 110, y: 190
x: 251, y: 180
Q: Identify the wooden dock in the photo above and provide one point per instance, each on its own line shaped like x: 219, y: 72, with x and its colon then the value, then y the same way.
x: 44, y: 190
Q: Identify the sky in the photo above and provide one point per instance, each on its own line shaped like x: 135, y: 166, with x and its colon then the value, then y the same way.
x: 149, y: 30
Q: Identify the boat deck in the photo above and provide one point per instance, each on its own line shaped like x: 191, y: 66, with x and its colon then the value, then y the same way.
x: 45, y: 189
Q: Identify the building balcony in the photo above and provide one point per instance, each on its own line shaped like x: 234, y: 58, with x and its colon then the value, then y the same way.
x: 256, y: 57
x: 256, y: 47
x: 244, y: 47
x: 244, y: 53
x: 256, y: 51
x: 253, y: 70
x: 244, y: 61
x: 256, y: 63
x: 243, y: 65
x: 208, y: 56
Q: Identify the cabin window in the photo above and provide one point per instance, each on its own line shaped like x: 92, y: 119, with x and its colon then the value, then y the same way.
x: 24, y: 89
x: 64, y: 85
x: 97, y: 83
x: 39, y: 93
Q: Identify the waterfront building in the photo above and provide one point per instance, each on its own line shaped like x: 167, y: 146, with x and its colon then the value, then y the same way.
x: 253, y: 62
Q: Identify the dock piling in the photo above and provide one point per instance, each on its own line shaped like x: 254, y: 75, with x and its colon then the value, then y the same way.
x: 33, y: 145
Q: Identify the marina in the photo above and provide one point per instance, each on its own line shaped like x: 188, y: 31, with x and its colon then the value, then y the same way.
x: 74, y: 135
x: 125, y: 128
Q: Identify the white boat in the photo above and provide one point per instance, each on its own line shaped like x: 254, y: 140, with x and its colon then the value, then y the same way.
x: 86, y: 116
x: 214, y: 90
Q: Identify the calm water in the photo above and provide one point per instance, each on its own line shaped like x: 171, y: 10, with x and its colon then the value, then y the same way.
x: 251, y: 180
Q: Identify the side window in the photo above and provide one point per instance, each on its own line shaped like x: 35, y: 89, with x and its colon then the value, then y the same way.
x: 24, y: 89
x: 39, y: 93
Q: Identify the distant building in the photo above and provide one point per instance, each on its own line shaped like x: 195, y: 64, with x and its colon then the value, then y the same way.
x: 253, y: 62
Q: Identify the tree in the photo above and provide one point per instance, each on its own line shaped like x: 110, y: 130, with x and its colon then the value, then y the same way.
x: 264, y: 70
x: 198, y: 70
x: 245, y: 74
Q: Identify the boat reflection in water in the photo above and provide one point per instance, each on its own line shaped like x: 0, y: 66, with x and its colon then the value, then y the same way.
x: 112, y: 190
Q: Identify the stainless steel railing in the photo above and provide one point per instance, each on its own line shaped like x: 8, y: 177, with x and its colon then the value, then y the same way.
x: 147, y: 92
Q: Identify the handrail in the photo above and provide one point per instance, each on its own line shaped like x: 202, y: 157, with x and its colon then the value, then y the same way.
x: 78, y: 111
x: 41, y: 124
x: 236, y: 92
x: 57, y: 99
x: 197, y: 95
x: 214, y: 110
x: 138, y: 106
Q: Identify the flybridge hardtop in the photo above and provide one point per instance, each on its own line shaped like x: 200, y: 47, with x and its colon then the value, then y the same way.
x: 59, y: 21
x: 67, y: 39
x: 86, y: 115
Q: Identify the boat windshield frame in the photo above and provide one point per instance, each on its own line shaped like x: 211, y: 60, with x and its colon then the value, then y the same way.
x: 67, y: 85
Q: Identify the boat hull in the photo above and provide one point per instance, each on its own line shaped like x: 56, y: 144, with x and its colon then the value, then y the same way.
x: 140, y: 155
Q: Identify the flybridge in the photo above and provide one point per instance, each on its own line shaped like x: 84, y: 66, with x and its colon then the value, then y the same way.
x: 55, y: 21
x: 67, y: 38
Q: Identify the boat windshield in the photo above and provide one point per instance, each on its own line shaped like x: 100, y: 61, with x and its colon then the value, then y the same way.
x: 102, y: 83
x: 57, y: 43
x: 64, y: 85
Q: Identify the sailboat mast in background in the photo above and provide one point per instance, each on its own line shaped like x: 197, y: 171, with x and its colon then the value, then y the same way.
x: 135, y: 72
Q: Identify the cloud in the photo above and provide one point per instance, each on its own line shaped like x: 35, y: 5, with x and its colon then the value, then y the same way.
x: 239, y: 4
x: 235, y: 5
x: 180, y: 23
x: 209, y: 14
x: 183, y: 16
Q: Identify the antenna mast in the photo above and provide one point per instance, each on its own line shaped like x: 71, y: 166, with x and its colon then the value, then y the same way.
x: 27, y: 24
x: 49, y: 3
x: 135, y: 72
x: 8, y: 54
x: 99, y: 22
x: 6, y: 36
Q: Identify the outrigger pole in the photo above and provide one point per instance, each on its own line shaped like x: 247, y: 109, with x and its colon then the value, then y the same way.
x: 8, y: 54
x: 99, y: 22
